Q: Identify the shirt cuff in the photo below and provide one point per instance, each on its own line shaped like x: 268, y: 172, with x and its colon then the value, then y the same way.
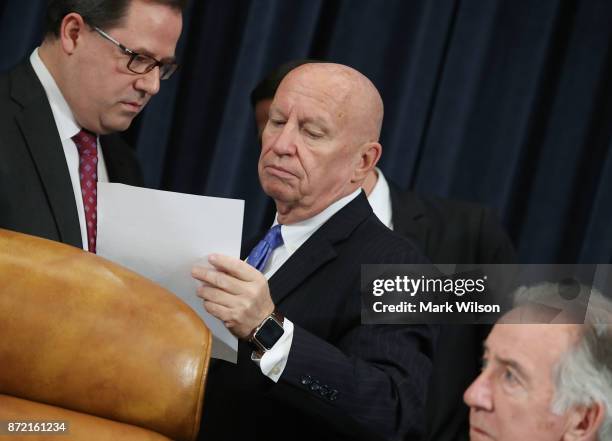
x: 273, y: 362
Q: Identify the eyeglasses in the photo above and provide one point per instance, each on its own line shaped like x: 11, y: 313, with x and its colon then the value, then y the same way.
x: 140, y: 63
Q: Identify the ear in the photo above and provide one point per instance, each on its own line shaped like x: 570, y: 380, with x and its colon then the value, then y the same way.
x: 71, y: 32
x: 369, y: 156
x: 584, y: 422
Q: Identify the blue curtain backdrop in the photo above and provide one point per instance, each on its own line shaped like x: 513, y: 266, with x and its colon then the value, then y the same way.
x: 503, y: 102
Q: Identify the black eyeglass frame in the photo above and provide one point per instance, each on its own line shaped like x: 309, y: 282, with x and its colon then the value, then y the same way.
x: 165, y: 69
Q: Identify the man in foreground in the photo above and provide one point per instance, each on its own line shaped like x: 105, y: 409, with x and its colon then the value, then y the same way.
x: 446, y: 231
x: 545, y: 382
x: 307, y: 367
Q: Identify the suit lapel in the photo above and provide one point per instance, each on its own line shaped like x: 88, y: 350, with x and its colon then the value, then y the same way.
x: 314, y: 253
x: 41, y: 138
x: 319, y: 248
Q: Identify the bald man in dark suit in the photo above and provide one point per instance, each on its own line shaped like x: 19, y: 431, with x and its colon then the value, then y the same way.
x: 307, y: 366
x: 446, y: 231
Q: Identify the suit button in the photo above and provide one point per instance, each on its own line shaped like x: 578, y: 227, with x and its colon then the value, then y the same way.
x: 332, y: 395
x: 315, y: 386
x: 306, y: 380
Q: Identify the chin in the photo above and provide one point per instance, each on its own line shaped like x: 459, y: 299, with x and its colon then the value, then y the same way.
x: 116, y: 126
x: 278, y: 191
x: 280, y: 196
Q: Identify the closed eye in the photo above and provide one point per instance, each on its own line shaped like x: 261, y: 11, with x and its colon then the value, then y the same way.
x: 313, y: 135
x: 277, y: 122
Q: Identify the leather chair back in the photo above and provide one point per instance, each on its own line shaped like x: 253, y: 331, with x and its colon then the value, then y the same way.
x: 82, y: 335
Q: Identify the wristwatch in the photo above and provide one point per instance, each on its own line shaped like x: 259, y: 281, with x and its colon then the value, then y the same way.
x: 264, y: 336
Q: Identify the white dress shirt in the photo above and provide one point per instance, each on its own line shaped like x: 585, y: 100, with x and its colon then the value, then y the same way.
x: 67, y: 127
x: 273, y: 362
x: 380, y: 200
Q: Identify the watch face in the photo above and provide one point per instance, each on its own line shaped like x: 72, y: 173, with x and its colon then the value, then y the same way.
x: 269, y: 333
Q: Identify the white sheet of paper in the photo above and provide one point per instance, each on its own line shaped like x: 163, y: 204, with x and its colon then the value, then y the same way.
x: 161, y: 235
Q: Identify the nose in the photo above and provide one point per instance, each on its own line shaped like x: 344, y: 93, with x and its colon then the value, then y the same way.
x: 478, y: 395
x: 149, y: 82
x: 284, y: 143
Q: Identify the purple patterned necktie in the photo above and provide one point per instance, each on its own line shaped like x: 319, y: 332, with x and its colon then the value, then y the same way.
x: 263, y: 250
x: 87, y: 145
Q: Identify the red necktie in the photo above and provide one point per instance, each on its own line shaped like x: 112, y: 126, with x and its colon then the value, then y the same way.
x: 87, y: 145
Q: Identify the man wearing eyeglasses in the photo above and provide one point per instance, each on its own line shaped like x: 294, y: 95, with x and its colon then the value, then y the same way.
x: 99, y: 64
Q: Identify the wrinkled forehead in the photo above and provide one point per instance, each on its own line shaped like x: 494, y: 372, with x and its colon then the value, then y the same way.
x: 532, y: 345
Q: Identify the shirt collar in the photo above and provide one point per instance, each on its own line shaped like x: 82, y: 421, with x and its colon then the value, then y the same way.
x: 380, y: 200
x: 296, y: 234
x: 65, y: 121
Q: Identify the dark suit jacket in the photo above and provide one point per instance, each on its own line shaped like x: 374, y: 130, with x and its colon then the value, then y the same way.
x: 343, y: 380
x: 450, y: 231
x: 36, y: 194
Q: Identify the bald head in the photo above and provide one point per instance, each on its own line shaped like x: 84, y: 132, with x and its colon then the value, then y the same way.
x: 321, y: 139
x: 359, y: 105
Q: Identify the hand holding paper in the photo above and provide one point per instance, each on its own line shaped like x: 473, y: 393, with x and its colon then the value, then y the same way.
x: 235, y: 293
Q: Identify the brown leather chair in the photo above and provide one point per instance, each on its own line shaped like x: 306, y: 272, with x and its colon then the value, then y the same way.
x: 88, y: 342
